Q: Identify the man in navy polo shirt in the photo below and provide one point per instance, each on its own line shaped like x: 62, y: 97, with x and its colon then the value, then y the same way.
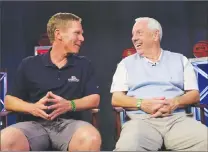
x: 52, y: 88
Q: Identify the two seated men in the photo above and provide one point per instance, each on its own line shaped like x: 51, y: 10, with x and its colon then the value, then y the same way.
x: 155, y: 81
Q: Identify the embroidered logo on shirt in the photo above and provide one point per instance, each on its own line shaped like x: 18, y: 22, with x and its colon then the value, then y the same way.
x: 73, y: 79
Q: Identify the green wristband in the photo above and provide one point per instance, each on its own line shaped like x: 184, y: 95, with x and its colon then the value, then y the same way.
x: 73, y: 105
x: 139, y: 102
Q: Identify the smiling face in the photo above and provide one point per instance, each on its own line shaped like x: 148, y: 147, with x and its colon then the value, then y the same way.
x: 71, y: 36
x: 143, y: 37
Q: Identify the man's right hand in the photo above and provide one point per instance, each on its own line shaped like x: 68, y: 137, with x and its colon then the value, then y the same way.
x: 38, y: 109
x: 151, y: 106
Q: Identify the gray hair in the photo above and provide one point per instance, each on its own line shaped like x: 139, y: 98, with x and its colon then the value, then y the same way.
x: 153, y: 24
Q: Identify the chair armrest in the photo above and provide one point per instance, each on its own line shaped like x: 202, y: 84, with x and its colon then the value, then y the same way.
x: 94, y: 110
x: 4, y: 114
x: 118, y: 109
x: 200, y: 105
x: 3, y: 118
x: 202, y: 115
x: 94, y: 120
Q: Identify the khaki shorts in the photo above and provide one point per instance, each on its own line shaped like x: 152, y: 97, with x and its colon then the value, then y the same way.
x: 47, y: 135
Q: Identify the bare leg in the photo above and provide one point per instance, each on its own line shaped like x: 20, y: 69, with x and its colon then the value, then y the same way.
x: 86, y: 138
x: 13, y: 139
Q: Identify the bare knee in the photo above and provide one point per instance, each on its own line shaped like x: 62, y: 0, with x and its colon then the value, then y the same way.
x: 13, y: 139
x: 85, y: 138
x: 89, y: 133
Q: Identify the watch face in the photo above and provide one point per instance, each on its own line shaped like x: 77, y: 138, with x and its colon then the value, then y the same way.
x: 139, y: 101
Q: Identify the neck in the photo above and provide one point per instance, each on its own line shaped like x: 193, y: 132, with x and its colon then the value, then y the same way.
x: 58, y: 55
x: 153, y: 54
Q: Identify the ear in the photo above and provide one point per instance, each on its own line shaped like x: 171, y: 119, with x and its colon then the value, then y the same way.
x: 57, y: 34
x: 156, y: 35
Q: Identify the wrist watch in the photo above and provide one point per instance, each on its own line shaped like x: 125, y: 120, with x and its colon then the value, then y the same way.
x: 139, y: 102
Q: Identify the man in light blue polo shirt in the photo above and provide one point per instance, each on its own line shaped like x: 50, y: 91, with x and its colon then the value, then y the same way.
x: 159, y: 83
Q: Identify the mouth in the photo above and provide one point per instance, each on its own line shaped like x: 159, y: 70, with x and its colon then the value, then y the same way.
x: 78, y: 45
x: 138, y: 45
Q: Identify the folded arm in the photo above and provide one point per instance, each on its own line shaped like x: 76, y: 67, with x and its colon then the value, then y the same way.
x: 15, y: 104
x: 190, y: 97
x: 87, y: 102
x: 120, y: 99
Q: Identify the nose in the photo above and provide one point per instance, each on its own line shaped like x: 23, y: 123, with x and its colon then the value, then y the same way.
x: 133, y: 39
x: 81, y: 38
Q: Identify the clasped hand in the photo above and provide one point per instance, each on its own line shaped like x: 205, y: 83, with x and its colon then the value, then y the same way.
x: 159, y: 107
x: 59, y: 106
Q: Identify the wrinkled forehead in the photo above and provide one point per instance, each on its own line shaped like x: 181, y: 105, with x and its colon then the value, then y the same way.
x: 140, y: 25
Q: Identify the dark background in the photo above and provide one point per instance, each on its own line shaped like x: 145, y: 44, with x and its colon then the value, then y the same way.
x: 107, y: 31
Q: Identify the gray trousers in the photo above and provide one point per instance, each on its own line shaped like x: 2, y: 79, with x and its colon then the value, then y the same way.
x: 177, y: 132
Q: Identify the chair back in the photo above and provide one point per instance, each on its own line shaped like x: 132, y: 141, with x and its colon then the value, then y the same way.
x: 201, y: 68
x: 3, y: 87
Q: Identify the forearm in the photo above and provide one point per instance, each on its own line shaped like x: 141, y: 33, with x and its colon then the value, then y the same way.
x: 190, y: 97
x: 15, y: 104
x: 88, y: 102
x: 120, y: 99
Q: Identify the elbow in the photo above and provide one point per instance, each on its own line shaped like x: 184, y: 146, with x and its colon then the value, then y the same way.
x: 197, y: 97
x: 6, y: 102
x: 113, y: 101
x: 96, y: 102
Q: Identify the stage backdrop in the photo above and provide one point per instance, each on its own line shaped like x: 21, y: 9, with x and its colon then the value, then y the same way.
x: 107, y: 30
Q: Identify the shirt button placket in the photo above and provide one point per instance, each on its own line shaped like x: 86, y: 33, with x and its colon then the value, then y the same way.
x: 59, y: 75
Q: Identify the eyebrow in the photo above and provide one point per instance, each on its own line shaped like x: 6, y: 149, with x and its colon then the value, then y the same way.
x: 80, y: 31
x: 136, y: 31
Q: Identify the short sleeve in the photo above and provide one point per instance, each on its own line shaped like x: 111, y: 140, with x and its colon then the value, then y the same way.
x: 19, y: 88
x: 91, y: 86
x: 120, y: 77
x: 190, y: 79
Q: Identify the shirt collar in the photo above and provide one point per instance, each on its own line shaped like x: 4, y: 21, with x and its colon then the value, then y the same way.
x: 47, y: 60
x: 148, y: 60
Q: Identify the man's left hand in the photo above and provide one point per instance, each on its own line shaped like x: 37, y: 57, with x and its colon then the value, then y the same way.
x: 167, y: 110
x: 60, y: 106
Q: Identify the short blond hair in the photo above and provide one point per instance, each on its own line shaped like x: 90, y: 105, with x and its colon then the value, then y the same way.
x: 59, y: 20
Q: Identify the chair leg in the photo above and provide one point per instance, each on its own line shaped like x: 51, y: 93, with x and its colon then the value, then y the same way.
x: 94, y: 120
x: 118, y: 125
x: 202, y: 115
x: 4, y: 122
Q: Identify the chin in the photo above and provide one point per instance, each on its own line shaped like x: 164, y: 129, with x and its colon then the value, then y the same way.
x: 76, y: 50
x: 140, y: 52
x: 73, y: 51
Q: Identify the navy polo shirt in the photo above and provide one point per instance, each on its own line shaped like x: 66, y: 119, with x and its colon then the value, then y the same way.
x: 36, y: 75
